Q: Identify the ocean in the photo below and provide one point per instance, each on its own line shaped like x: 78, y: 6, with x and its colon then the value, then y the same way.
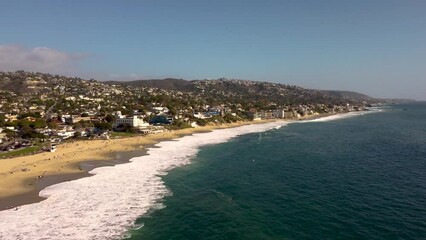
x: 362, y: 177
x: 354, y: 176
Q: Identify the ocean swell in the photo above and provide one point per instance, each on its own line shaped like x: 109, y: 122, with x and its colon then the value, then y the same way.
x: 106, y: 205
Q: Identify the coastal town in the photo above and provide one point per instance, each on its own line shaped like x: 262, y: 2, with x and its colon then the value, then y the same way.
x: 212, y: 120
x: 39, y: 111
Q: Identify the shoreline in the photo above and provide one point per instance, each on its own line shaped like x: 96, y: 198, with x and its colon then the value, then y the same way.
x: 22, y: 178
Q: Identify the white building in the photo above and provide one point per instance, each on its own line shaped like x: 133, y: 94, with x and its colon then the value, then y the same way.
x: 288, y: 114
x: 134, y: 121
x: 161, y: 110
x: 280, y: 113
x: 66, y: 134
x: 201, y: 115
x: 2, y: 135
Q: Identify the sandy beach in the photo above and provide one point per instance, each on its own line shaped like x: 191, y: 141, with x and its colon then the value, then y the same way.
x: 22, y: 178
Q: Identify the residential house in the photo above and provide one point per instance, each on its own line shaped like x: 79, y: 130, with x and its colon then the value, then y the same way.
x: 75, y: 119
x: 64, y: 134
x: 201, y: 115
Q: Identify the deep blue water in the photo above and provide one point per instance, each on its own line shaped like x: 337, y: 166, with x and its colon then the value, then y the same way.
x: 357, y: 178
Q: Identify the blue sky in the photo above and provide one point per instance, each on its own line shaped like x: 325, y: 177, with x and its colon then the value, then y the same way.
x: 376, y: 47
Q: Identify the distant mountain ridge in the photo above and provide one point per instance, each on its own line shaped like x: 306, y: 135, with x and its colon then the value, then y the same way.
x: 167, y: 83
x: 190, y: 85
x: 347, y: 95
x: 222, y: 89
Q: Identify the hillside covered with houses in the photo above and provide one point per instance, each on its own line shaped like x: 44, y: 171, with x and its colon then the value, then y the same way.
x: 38, y: 109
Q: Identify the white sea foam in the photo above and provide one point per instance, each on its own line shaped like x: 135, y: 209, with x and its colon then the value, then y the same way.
x: 106, y: 205
x: 341, y: 116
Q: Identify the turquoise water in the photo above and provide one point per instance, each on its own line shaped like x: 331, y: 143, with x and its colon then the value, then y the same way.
x: 357, y: 178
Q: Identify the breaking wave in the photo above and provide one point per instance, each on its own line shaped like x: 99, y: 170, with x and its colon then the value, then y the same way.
x: 341, y: 116
x: 107, y: 204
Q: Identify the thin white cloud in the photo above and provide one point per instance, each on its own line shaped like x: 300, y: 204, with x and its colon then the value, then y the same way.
x: 39, y: 59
